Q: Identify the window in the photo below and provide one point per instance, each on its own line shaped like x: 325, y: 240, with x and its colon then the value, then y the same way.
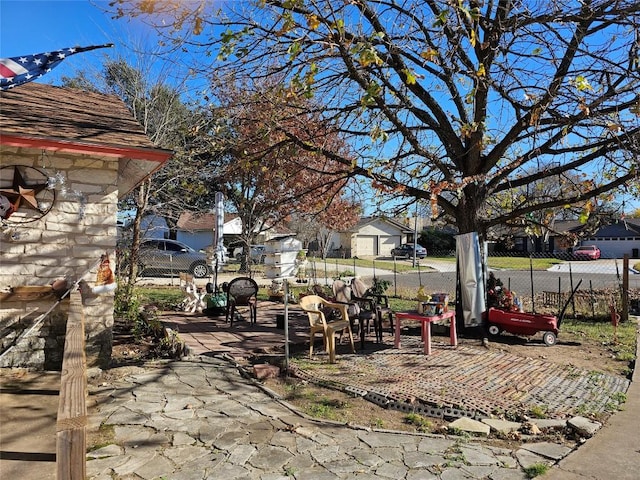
x: 173, y: 247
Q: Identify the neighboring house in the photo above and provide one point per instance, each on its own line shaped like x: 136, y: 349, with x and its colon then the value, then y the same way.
x: 151, y: 226
x: 371, y: 236
x: 614, y: 240
x: 559, y: 239
x: 154, y: 226
x: 75, y: 153
x: 197, y: 230
x: 618, y: 239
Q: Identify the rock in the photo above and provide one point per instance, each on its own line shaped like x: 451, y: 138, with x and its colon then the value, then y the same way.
x: 530, y: 428
x: 548, y: 450
x: 583, y: 426
x: 469, y: 425
x: 93, y: 373
x: 265, y: 370
x: 501, y: 426
x: 550, y: 424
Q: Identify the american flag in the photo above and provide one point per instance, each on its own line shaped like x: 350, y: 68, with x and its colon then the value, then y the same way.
x: 15, y: 71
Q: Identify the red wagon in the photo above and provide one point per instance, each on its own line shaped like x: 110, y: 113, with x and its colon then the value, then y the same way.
x: 520, y: 323
x: 527, y: 324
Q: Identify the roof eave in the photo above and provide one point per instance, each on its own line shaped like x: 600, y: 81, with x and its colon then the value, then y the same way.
x: 57, y: 145
x: 142, y: 161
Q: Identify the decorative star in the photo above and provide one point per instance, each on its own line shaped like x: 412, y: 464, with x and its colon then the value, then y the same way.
x: 21, y: 192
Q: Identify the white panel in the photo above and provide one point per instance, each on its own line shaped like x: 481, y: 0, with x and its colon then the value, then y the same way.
x: 387, y: 243
x: 366, y: 245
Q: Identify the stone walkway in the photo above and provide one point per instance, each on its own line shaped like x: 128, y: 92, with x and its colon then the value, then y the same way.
x: 200, y: 419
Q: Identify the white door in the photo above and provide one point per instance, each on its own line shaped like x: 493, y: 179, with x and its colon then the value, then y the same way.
x: 387, y: 243
x: 366, y: 245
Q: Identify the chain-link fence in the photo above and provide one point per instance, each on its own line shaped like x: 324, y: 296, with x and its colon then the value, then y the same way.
x: 599, y: 284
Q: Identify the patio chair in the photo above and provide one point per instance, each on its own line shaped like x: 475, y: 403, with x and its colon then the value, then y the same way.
x: 359, y: 308
x: 316, y: 307
x: 362, y: 290
x: 242, y: 292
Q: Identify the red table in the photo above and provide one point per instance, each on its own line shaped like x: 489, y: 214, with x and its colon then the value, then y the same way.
x: 426, y: 327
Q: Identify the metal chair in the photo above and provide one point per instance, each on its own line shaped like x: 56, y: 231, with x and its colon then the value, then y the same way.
x: 361, y: 290
x: 315, y: 307
x: 359, y: 308
x: 242, y: 292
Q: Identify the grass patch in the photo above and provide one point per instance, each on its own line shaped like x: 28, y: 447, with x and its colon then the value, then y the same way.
x: 522, y: 263
x: 296, y: 390
x: 401, y: 304
x: 538, y: 411
x: 327, y: 408
x: 421, y: 423
x: 623, y: 347
x: 536, y: 470
x: 164, y: 297
x: 104, y: 436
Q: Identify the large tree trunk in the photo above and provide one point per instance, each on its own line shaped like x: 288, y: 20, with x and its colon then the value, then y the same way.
x: 468, y: 210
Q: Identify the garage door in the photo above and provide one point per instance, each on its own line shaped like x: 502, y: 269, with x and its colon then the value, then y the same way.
x: 387, y: 243
x: 367, y: 245
x: 615, y: 248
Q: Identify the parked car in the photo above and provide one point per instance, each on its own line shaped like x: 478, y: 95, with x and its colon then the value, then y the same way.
x: 162, y: 255
x: 406, y: 250
x: 587, y: 252
x: 257, y: 254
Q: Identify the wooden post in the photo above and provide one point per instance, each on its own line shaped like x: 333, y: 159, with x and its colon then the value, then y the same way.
x: 624, y: 314
x: 71, y: 443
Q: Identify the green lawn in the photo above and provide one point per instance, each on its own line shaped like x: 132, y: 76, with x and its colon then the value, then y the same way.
x: 519, y: 263
x: 509, y: 263
x: 345, y: 266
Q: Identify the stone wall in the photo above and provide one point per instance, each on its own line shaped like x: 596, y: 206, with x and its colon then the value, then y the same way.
x: 67, y: 244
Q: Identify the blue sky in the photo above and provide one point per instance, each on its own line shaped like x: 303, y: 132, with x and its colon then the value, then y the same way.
x: 36, y: 26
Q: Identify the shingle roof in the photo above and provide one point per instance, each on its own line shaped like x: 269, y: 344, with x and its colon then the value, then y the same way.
x: 196, y: 221
x: 43, y: 110
x: 46, y: 117
x: 619, y: 228
x: 191, y: 222
x: 369, y: 220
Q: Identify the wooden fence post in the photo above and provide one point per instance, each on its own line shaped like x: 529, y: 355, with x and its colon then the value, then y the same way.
x: 624, y: 315
x: 71, y: 442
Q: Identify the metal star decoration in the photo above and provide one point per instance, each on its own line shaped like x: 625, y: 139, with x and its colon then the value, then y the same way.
x: 22, y: 194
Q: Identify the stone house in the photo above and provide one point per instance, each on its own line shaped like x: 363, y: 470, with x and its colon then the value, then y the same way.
x: 66, y: 157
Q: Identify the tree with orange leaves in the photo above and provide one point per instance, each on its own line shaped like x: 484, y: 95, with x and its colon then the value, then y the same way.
x: 244, y: 150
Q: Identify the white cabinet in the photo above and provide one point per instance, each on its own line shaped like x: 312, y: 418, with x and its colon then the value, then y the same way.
x: 280, y: 257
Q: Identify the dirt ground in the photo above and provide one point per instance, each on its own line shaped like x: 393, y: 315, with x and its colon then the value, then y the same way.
x: 589, y: 352
x: 572, y: 349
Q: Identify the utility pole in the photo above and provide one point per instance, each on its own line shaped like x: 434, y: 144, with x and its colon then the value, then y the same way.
x: 415, y: 235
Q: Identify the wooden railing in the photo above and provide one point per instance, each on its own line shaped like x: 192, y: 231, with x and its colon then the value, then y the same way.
x: 71, y: 439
